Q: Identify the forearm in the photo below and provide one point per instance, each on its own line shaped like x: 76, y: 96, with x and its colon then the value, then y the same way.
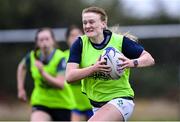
x: 73, y: 75
x: 21, y: 74
x: 54, y: 81
x: 145, y: 60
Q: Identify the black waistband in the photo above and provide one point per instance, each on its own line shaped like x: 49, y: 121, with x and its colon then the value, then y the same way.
x: 100, y: 104
x: 97, y: 104
x: 127, y: 98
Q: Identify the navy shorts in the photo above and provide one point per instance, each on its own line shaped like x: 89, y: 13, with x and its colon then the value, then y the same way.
x: 56, y: 114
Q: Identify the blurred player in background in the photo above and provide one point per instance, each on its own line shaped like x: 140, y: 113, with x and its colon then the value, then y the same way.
x: 51, y: 98
x: 83, y: 108
x: 112, y: 100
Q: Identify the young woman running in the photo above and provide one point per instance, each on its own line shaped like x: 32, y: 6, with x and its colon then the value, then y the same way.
x: 51, y: 98
x: 112, y: 99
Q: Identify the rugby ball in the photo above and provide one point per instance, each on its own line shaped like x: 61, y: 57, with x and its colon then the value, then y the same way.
x: 111, y: 55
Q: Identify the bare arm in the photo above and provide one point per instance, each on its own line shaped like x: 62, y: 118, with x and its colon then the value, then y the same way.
x: 56, y: 81
x: 144, y: 60
x: 21, y: 74
x: 74, y: 73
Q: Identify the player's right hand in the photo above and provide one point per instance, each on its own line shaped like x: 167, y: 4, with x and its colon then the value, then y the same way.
x: 22, y: 95
x: 100, y: 66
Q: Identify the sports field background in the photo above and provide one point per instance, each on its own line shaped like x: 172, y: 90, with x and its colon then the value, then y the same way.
x: 157, y: 88
x: 145, y: 110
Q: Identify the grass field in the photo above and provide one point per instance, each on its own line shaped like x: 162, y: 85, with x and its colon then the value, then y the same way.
x: 159, y: 110
x: 145, y: 110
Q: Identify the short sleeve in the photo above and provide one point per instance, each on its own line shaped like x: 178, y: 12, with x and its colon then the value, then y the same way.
x: 27, y: 59
x: 131, y: 49
x: 62, y: 65
x: 75, y: 52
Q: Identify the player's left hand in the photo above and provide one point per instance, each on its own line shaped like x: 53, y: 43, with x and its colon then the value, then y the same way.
x: 127, y: 63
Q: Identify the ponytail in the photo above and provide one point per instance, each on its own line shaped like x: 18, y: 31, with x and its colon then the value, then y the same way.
x: 115, y: 29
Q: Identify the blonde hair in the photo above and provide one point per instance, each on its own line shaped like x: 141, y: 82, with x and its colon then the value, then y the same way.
x: 104, y: 17
x: 115, y: 29
x: 97, y: 10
